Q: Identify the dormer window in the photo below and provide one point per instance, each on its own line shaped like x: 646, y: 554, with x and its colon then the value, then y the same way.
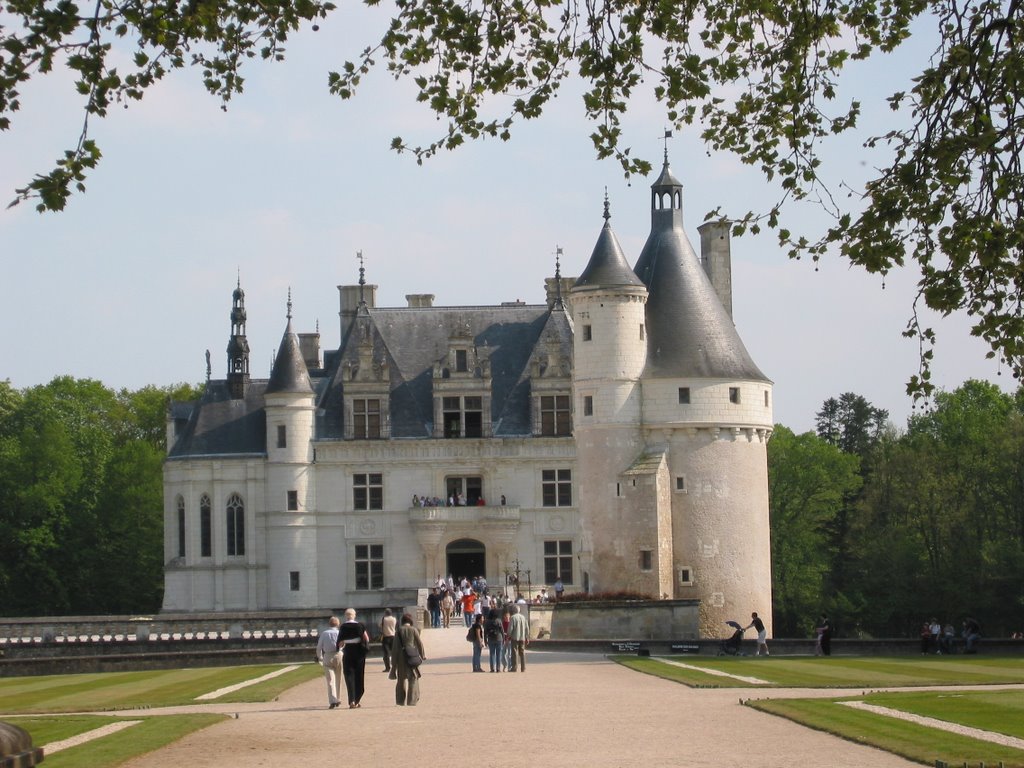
x: 461, y: 361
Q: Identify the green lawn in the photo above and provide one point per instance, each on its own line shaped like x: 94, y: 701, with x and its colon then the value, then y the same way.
x: 836, y: 671
x: 114, y: 749
x: 129, y: 690
x: 999, y: 711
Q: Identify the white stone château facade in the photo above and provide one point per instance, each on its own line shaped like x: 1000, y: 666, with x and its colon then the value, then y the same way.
x: 614, y: 437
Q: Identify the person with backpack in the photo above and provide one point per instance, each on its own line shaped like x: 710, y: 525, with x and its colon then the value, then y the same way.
x: 493, y: 637
x: 476, y: 637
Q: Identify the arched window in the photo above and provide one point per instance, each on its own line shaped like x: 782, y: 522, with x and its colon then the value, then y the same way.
x: 205, y: 526
x: 236, y: 525
x: 181, y: 526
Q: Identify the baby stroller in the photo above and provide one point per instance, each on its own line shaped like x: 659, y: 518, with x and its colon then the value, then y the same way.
x: 731, y: 645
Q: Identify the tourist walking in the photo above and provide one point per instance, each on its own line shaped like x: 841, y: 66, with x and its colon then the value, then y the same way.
x: 327, y: 655
x: 519, y: 636
x: 353, y: 643
x: 406, y: 675
x: 387, y: 637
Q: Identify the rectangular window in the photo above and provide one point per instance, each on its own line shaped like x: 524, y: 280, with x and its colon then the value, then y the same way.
x: 641, y: 331
x: 366, y: 419
x: 466, y: 491
x: 463, y: 416
x: 587, y: 333
x: 588, y: 405
x: 558, y: 561
x: 680, y: 483
x: 368, y: 491
x: 684, y: 395
x: 556, y: 487
x: 282, y: 436
x: 555, y: 415
x: 734, y: 395
x: 205, y: 528
x: 646, y: 559
x: 766, y: 398
x: 293, y: 500
x: 369, y: 562
x: 293, y: 580
x: 461, y: 363
x: 685, y: 576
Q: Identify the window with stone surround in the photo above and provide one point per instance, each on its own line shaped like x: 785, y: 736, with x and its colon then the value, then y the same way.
x: 558, y: 561
x: 235, y: 514
x: 293, y: 580
x: 205, y: 526
x: 734, y: 395
x: 556, y: 487
x: 368, y: 491
x: 588, y: 333
x: 282, y: 436
x: 293, y: 500
x: 588, y: 405
x: 685, y: 576
x: 555, y: 415
x: 684, y: 395
x: 463, y: 416
x: 366, y: 419
x: 646, y: 559
x: 369, y: 562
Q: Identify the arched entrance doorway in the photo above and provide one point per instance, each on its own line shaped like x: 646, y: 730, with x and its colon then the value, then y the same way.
x: 466, y: 557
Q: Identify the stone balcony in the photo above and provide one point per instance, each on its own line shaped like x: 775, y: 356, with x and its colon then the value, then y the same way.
x: 474, y: 514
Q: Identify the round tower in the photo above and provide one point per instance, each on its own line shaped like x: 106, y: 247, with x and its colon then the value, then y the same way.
x: 291, y: 547
x: 707, y: 409
x: 608, y: 357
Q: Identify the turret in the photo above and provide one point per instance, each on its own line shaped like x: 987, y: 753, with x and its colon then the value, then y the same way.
x: 708, y: 414
x: 238, y: 347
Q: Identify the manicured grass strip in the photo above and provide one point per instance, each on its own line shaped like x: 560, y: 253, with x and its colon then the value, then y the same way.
x: 127, y: 690
x: 868, y: 672
x: 113, y: 750
x: 999, y: 711
x: 909, y: 740
x: 269, y: 690
x: 690, y: 677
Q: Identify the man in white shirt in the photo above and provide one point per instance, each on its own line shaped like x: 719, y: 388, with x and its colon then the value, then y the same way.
x: 326, y: 651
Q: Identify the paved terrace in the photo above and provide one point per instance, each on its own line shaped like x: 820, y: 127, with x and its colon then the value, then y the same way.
x: 565, y: 710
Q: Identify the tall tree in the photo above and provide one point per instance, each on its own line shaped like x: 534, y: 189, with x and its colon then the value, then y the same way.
x: 808, y: 481
x: 762, y: 81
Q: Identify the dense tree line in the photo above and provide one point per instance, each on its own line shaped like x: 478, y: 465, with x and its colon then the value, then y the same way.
x: 877, y: 527
x: 81, y: 522
x: 883, y: 529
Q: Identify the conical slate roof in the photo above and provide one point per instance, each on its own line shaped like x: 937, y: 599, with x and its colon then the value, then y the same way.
x: 608, y: 265
x: 689, y: 333
x: 290, y: 373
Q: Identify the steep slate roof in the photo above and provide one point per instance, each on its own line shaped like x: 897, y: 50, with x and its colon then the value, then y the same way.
x: 689, y: 333
x: 289, y: 374
x: 608, y: 265
x: 220, y: 425
x: 413, y: 339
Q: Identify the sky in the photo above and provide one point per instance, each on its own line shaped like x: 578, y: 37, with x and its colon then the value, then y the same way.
x: 132, y: 282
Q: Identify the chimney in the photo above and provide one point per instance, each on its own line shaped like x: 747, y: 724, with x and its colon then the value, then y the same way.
x: 420, y: 299
x: 716, y: 258
x: 349, y: 295
x: 309, y: 346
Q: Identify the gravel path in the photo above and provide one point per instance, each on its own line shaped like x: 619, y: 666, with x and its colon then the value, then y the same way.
x: 565, y: 711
